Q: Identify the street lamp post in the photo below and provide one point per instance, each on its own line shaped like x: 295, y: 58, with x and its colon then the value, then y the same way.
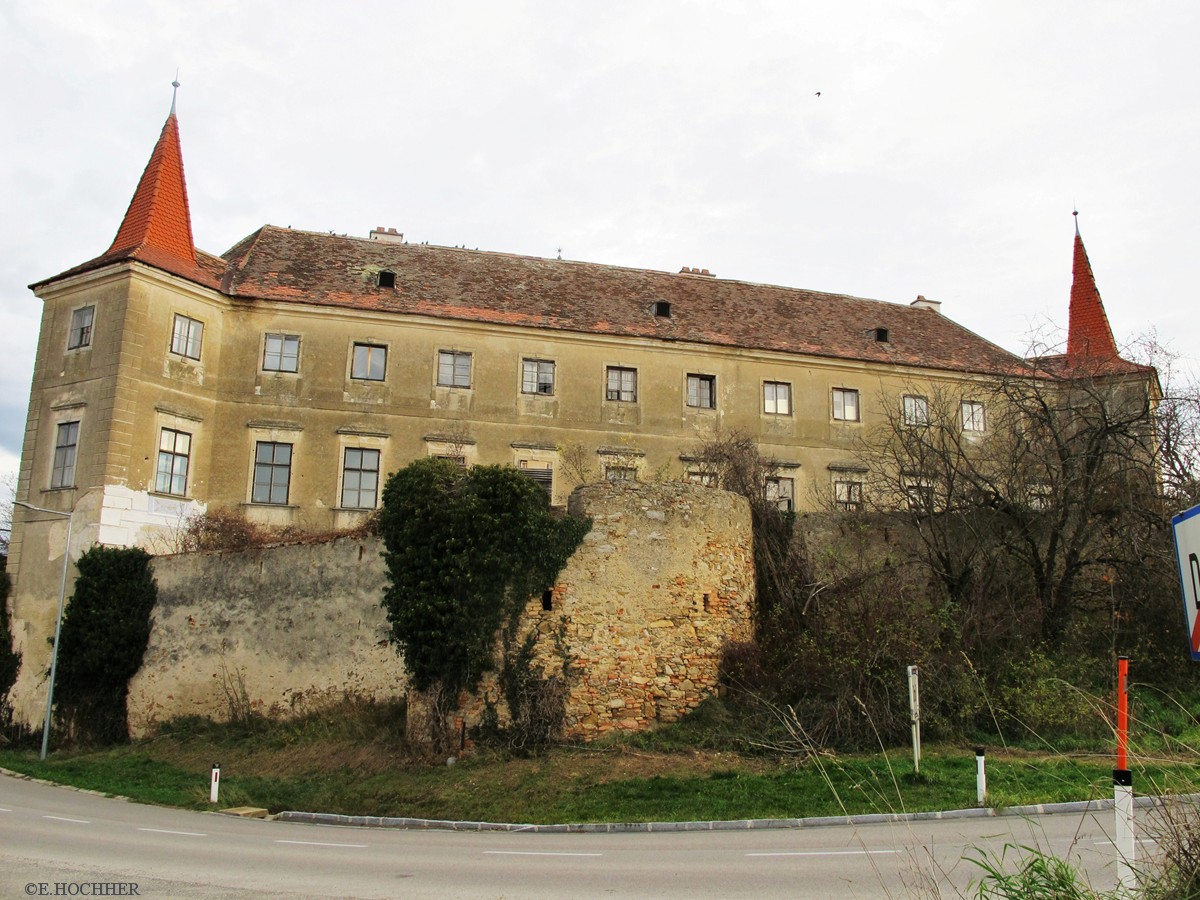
x: 62, y: 595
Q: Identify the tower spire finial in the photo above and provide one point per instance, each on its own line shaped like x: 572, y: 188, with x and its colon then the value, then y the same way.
x: 174, y: 91
x: 1075, y: 213
x: 157, y: 227
x: 1089, y: 334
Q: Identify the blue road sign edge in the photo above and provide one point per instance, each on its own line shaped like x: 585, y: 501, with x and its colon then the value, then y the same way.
x: 1185, y: 515
x: 1176, y: 520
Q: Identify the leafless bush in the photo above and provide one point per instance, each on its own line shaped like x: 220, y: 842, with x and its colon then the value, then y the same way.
x: 578, y: 464
x: 229, y: 530
x: 223, y: 529
x: 239, y: 709
x: 1175, y: 874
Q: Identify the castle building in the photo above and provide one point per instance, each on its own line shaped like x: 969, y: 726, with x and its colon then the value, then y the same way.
x: 288, y: 376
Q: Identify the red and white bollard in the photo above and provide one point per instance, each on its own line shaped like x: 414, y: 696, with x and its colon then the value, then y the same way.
x: 1123, y: 784
x: 216, y: 783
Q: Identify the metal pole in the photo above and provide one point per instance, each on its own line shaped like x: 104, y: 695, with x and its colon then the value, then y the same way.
x: 914, y: 704
x: 62, y: 596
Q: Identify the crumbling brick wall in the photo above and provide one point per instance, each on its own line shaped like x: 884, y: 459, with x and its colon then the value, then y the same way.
x: 664, y: 578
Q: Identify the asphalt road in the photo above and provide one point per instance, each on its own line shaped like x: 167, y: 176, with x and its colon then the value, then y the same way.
x: 70, y: 840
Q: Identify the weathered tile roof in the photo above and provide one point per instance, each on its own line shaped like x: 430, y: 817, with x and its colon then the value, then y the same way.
x: 450, y: 283
x: 157, y: 227
x: 158, y: 217
x: 280, y: 264
x: 1088, y: 331
x: 1091, y: 349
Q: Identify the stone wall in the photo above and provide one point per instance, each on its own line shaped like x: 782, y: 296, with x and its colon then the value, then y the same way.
x: 662, y: 580
x: 282, y: 629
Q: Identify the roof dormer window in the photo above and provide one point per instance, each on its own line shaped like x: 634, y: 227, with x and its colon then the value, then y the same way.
x: 387, y: 279
x: 661, y: 309
x: 881, y: 335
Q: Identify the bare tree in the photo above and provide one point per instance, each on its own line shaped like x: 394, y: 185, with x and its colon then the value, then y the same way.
x: 1060, y: 481
x: 578, y: 463
x: 8, y: 491
x: 734, y: 462
x: 1176, y: 421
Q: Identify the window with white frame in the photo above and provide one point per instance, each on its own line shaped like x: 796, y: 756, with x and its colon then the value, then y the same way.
x: 66, y: 442
x: 174, y: 452
x: 621, y: 384
x: 777, y: 398
x: 369, y: 362
x: 702, y: 391
x: 701, y: 476
x: 537, y: 377
x: 972, y: 415
x: 916, y: 410
x: 781, y: 492
x: 848, y: 495
x: 454, y: 369
x: 919, y: 492
x: 272, y: 472
x: 81, y: 328
x: 186, y: 336
x: 845, y: 404
x: 281, y: 353
x: 360, y: 478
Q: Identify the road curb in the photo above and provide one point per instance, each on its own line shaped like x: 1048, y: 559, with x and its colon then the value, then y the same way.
x: 1038, y: 809
x: 411, y: 824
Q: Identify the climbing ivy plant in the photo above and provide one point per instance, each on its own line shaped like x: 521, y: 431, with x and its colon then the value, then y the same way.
x: 10, y: 661
x: 466, y: 549
x: 105, y: 630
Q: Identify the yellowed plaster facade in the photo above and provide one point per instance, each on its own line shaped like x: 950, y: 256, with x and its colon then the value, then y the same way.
x: 287, y: 378
x: 127, y: 386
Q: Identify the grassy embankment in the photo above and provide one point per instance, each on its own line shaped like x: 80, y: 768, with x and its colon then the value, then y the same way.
x: 353, y: 760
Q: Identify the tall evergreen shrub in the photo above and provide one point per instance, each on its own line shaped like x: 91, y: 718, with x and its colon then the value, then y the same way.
x: 10, y: 661
x: 466, y: 549
x: 105, y: 630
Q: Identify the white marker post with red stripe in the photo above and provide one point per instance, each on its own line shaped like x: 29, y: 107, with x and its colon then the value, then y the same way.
x: 1123, y: 783
x: 1186, y: 526
x: 215, y: 784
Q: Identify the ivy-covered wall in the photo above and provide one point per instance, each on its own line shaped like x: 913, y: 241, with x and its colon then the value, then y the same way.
x: 639, y: 615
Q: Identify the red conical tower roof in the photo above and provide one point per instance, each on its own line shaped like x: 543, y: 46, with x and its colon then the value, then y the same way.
x: 1088, y: 332
x: 158, y: 225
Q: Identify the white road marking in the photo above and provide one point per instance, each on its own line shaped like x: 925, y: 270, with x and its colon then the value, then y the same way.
x: 64, y: 819
x: 165, y: 831
x: 1110, y: 843
x: 826, y: 853
x: 320, y: 844
x: 2, y: 809
x: 534, y: 853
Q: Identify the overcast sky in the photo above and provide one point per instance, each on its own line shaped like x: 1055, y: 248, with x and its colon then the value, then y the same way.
x: 943, y: 157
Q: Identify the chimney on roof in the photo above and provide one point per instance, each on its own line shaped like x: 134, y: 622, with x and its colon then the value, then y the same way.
x: 922, y: 303
x: 689, y: 270
x: 388, y: 235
